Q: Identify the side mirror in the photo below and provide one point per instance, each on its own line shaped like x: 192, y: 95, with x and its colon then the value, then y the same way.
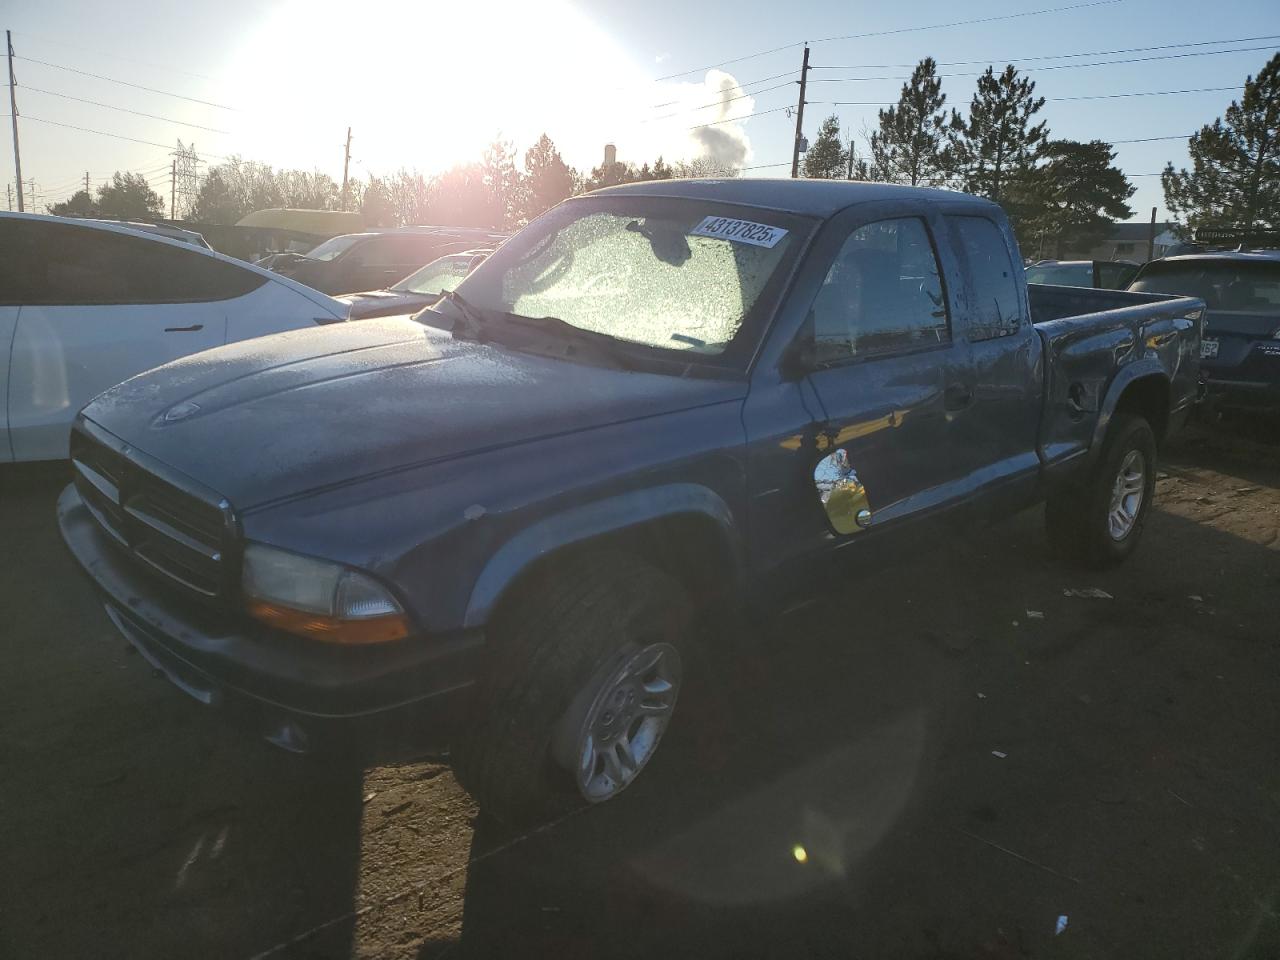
x: 799, y: 359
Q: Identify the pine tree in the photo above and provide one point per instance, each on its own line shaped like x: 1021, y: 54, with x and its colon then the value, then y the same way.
x: 912, y: 145
x: 547, y: 179
x: 997, y: 141
x: 826, y: 158
x: 1234, y: 179
x: 1070, y: 199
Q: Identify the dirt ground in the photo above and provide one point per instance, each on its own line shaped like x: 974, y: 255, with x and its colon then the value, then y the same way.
x: 949, y: 759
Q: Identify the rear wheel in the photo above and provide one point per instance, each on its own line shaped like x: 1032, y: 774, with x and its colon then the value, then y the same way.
x: 584, y: 678
x: 1099, y: 522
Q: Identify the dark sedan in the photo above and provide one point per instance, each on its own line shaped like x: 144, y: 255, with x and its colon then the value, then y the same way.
x: 374, y: 261
x: 420, y: 289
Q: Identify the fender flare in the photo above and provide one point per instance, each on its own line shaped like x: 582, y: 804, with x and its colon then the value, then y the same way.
x: 582, y: 523
x: 1143, y: 369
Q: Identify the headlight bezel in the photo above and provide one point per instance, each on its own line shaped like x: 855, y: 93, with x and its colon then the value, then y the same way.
x: 319, y: 599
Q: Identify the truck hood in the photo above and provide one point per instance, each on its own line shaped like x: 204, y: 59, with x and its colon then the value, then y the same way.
x: 309, y: 409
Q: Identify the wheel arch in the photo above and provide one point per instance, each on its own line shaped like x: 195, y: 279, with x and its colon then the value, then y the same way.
x: 686, y: 530
x: 1141, y: 388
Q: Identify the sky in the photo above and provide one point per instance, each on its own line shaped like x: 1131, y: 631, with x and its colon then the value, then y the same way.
x: 426, y: 84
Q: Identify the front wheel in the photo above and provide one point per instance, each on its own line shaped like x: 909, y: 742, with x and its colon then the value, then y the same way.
x: 583, y: 681
x: 1099, y: 522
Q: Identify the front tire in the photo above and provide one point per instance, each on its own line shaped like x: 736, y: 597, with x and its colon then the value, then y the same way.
x: 581, y: 685
x: 1099, y: 522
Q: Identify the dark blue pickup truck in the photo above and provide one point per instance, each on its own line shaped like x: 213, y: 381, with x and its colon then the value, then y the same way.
x: 493, y: 522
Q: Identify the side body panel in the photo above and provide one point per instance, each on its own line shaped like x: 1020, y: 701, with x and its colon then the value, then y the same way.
x: 64, y: 356
x: 452, y: 536
x: 1093, y: 357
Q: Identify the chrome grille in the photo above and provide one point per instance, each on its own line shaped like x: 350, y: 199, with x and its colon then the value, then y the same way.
x: 179, y: 532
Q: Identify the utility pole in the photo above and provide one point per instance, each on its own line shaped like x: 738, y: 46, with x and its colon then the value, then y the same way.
x: 8, y: 189
x: 13, y: 115
x: 173, y: 186
x: 795, y: 152
x: 346, y: 163
x: 1151, y: 237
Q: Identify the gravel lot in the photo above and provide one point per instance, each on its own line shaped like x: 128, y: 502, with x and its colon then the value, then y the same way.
x: 941, y: 761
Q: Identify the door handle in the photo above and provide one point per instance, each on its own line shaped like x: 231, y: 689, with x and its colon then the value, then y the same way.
x: 191, y: 329
x: 957, y: 397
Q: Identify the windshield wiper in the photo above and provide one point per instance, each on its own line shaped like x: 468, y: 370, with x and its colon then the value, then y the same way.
x: 601, y: 343
x: 472, y: 320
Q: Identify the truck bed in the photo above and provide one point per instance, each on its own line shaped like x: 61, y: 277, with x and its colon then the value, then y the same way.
x: 1098, y: 341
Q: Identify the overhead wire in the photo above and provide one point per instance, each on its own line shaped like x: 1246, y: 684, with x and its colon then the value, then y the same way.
x: 116, y: 136
x: 1092, y: 96
x: 898, y: 30
x: 125, y: 83
x: 110, y: 56
x: 1058, y: 66
x: 1052, y: 56
x: 718, y: 103
x: 108, y: 106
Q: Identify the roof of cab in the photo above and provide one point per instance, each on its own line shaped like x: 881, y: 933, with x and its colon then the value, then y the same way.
x: 817, y: 198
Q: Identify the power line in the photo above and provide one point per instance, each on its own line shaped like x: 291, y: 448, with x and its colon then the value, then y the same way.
x: 1061, y: 66
x: 110, y: 56
x: 743, y: 86
x: 103, y: 133
x: 1094, y: 96
x: 136, y: 113
x: 1057, y: 56
x: 124, y: 83
x: 718, y: 103
x: 885, y: 33
x: 1180, y: 136
x: 758, y: 113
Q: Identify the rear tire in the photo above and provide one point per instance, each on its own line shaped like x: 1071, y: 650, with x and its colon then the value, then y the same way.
x: 557, y: 649
x: 1099, y: 522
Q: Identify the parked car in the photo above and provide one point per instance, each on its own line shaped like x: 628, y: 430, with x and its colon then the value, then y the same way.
x: 420, y: 289
x: 161, y: 229
x: 1240, y: 352
x: 494, y: 527
x: 1100, y: 274
x: 84, y: 305
x: 373, y: 261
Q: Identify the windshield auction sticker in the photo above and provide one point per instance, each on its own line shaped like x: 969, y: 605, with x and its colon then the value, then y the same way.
x: 740, y: 231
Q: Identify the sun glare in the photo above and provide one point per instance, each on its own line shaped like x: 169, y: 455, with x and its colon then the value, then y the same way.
x: 429, y: 85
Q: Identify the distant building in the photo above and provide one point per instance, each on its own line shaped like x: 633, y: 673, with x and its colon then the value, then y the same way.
x: 1128, y: 241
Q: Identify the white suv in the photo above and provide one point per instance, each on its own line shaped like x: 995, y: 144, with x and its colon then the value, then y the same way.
x: 85, y: 305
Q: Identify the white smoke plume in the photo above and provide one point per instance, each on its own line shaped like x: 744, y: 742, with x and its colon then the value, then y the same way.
x: 722, y: 139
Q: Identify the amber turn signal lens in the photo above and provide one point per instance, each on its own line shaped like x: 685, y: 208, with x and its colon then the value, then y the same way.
x: 330, y: 629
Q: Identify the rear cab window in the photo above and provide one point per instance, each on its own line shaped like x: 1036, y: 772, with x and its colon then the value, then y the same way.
x: 995, y: 306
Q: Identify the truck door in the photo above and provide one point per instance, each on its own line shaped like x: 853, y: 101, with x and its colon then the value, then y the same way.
x: 886, y: 388
x: 996, y: 447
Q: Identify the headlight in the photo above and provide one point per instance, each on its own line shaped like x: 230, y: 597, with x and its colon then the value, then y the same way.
x: 318, y: 599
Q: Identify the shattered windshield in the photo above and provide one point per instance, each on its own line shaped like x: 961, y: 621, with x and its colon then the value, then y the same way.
x: 680, y: 275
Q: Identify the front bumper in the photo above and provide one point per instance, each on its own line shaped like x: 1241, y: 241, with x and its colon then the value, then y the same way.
x: 301, y: 695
